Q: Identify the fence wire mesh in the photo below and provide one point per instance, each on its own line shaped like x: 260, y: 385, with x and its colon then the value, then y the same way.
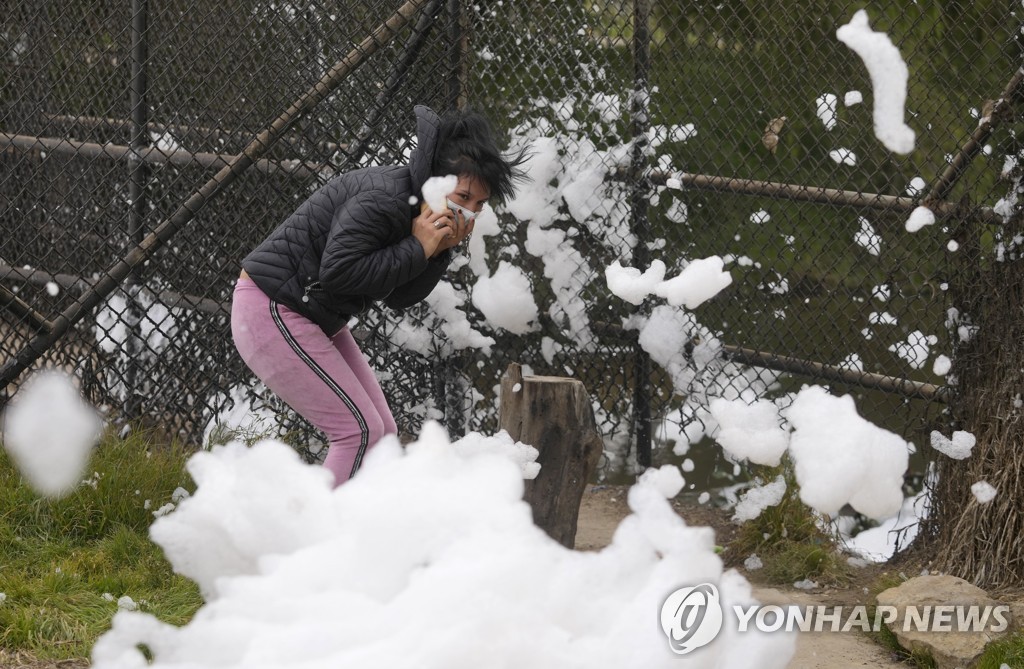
x: 661, y: 132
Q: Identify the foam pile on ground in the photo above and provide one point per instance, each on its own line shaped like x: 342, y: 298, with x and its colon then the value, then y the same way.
x: 427, y: 558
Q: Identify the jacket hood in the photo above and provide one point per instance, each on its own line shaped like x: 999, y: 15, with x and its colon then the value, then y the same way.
x: 428, y: 125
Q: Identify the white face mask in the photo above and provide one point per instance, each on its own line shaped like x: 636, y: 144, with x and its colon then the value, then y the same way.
x: 467, y: 213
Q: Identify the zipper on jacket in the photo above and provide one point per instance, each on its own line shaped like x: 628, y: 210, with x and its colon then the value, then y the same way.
x: 314, y: 288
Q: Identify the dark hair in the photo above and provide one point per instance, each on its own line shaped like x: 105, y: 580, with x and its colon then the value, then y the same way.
x: 466, y: 146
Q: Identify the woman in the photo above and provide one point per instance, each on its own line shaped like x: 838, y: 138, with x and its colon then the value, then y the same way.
x: 364, y: 236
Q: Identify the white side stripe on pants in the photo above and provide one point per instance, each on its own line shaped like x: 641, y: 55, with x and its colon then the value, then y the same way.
x: 331, y: 383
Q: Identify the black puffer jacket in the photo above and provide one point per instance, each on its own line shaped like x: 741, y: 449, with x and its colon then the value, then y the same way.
x: 351, y: 242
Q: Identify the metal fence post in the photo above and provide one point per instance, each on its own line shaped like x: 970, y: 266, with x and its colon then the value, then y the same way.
x: 640, y: 224
x: 452, y: 386
x: 455, y: 53
x: 138, y: 203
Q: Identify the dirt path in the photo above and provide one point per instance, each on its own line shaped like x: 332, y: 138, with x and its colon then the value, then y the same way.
x: 604, y: 507
x: 827, y: 650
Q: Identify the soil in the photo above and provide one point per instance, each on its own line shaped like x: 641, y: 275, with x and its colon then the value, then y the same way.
x: 604, y: 506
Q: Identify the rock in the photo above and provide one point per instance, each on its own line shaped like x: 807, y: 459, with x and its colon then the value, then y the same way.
x: 1017, y: 615
x: 951, y: 645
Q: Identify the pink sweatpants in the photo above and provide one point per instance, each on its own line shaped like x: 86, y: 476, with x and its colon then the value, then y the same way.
x: 325, y: 379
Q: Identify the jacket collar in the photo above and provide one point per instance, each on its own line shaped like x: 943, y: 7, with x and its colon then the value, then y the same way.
x: 428, y: 124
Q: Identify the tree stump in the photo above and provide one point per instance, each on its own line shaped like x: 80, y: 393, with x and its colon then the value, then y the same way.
x: 553, y: 414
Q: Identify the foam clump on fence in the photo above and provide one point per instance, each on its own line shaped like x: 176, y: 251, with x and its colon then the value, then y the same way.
x: 632, y: 285
x: 506, y: 299
x: 750, y: 430
x: 958, y: 447
x: 825, y: 107
x: 757, y: 499
x: 889, y: 77
x: 919, y: 218
x: 841, y: 458
x: 667, y: 334
x: 984, y: 492
x: 699, y: 281
x: 426, y: 558
x: 50, y: 431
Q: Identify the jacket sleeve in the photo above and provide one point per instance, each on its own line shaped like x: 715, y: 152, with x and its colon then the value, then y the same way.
x: 358, y: 258
x: 413, y: 291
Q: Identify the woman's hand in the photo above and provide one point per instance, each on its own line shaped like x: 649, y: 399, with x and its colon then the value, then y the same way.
x: 430, y: 229
x: 459, y: 230
x: 438, y: 232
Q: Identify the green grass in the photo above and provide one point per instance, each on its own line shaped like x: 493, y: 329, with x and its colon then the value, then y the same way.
x: 1009, y: 651
x: 788, y: 539
x: 65, y: 562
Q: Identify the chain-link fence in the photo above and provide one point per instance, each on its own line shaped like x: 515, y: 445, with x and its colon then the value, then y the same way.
x: 661, y: 132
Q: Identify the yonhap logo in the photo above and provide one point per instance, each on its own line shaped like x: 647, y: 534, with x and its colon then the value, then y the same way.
x: 691, y: 617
